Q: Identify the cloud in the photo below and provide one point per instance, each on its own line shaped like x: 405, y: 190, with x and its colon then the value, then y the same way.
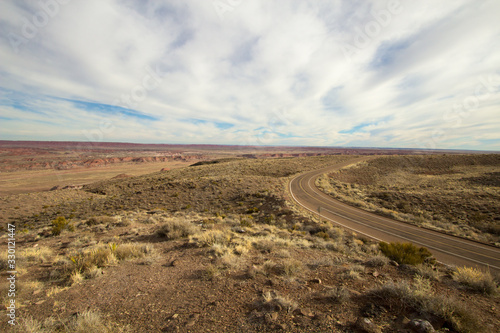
x: 328, y: 73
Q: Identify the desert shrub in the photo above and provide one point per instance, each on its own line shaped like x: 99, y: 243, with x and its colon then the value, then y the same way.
x: 273, y: 302
x: 130, y: 251
x: 264, y: 245
x: 90, y: 262
x: 100, y: 257
x: 36, y: 254
x: 211, y: 237
x: 269, y: 267
x: 219, y: 249
x: 283, y: 253
x: 93, y: 272
x: 229, y: 260
x: 419, y: 297
x: 476, y: 280
x: 377, y: 261
x: 427, y: 271
x: 30, y: 325
x: 323, y: 235
x: 241, y: 249
x: 405, y: 253
x: 95, y: 220
x: 58, y: 225
x: 291, y: 267
x: 176, y: 229
x: 338, y: 295
x: 246, y: 222
x: 211, y: 272
x: 76, y: 277
x: 353, y: 272
x: 86, y: 322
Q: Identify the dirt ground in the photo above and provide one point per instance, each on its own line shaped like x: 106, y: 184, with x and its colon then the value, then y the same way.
x: 249, y: 260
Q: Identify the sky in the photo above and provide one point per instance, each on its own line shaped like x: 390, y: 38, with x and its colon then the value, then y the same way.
x: 403, y: 74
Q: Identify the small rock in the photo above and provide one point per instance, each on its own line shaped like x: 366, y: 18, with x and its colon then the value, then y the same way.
x: 174, y: 316
x: 36, y: 292
x: 354, y: 293
x: 304, y: 312
x: 317, y: 280
x: 174, y: 263
x: 393, y: 263
x: 366, y: 325
x: 40, y: 302
x: 281, y: 327
x: 375, y: 274
x: 371, y: 310
x: 192, y: 319
x: 421, y: 326
x: 271, y: 317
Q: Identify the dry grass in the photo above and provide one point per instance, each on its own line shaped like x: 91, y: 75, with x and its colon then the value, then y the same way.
x: 89, y: 263
x: 428, y: 272
x: 476, y: 280
x: 175, y: 229
x: 291, y: 268
x: 211, y: 237
x: 40, y: 254
x: 419, y: 296
x: 377, y: 261
x: 339, y: 295
x: 271, y: 301
x: 85, y: 322
x: 211, y: 272
x: 101, y: 220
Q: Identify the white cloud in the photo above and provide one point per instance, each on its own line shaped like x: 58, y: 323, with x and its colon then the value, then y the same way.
x: 303, y: 73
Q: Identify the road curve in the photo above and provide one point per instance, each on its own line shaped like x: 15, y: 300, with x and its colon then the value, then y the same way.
x: 447, y: 249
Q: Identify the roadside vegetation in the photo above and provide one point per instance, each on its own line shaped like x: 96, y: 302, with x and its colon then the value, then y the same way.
x: 456, y: 194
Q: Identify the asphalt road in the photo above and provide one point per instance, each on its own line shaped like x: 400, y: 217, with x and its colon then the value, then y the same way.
x: 447, y: 249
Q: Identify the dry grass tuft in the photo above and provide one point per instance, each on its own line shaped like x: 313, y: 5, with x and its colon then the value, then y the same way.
x: 101, y: 220
x: 211, y: 272
x: 427, y: 272
x: 175, y: 229
x: 338, y: 295
x: 211, y: 237
x: 291, y: 268
x: 377, y: 261
x: 85, y: 322
x: 476, y: 280
x: 272, y: 302
x: 419, y: 296
x: 40, y: 254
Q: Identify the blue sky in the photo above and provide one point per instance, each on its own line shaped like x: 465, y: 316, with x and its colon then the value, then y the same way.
x: 411, y: 74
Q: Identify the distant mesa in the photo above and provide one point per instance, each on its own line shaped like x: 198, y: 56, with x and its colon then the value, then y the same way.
x: 165, y: 169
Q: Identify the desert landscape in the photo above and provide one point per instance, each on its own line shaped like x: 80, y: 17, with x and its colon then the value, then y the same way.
x: 249, y: 166
x: 210, y: 239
